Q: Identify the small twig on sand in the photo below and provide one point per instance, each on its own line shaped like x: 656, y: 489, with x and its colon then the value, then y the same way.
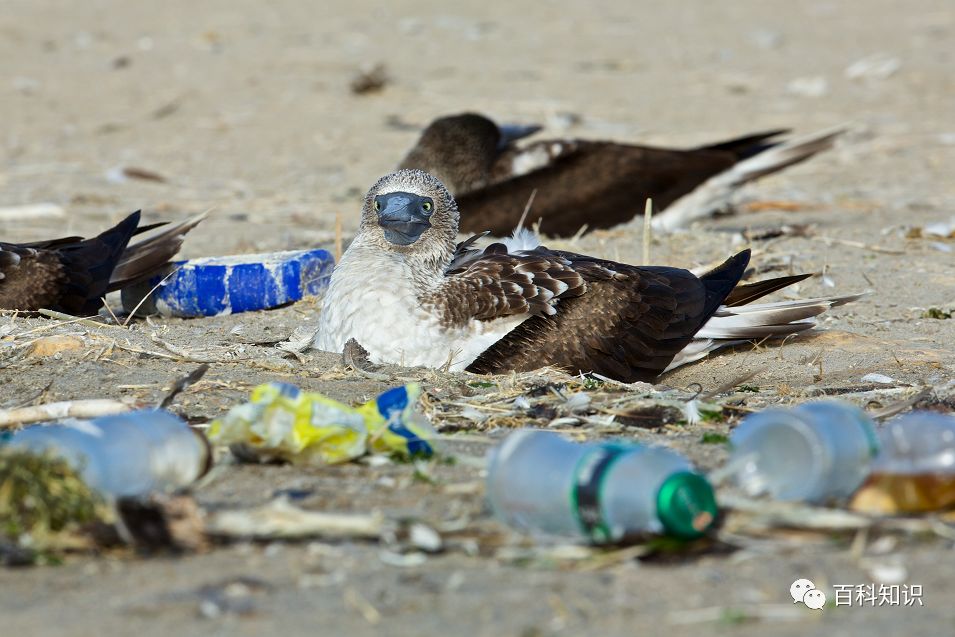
x: 57, y: 411
x: 182, y: 383
x: 901, y: 405
x: 145, y: 352
x: 185, y: 355
x: 748, y: 515
x: 360, y: 603
x: 647, y: 230
x: 143, y: 300
x: 108, y: 309
x: 69, y: 318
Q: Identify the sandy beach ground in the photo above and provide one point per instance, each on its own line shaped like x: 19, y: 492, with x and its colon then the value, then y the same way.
x: 245, y: 108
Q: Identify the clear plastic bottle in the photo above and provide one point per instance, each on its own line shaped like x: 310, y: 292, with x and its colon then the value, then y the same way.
x: 815, y: 452
x: 915, y: 470
x: 600, y: 492
x: 126, y: 454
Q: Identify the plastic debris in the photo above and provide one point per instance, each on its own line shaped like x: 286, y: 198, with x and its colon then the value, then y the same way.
x: 814, y: 453
x: 283, y: 422
x: 944, y: 229
x: 228, y: 285
x: 915, y: 472
x: 598, y: 492
x: 129, y: 454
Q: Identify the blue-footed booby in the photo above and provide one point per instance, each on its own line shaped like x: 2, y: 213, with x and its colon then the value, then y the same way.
x: 410, y: 295
x: 597, y: 184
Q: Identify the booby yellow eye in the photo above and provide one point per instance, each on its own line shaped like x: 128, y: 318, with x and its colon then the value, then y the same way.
x: 377, y: 205
x: 426, y: 206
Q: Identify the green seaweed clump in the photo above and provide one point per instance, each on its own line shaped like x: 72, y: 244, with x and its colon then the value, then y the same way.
x: 43, y: 501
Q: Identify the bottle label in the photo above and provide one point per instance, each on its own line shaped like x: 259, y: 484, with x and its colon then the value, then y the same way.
x: 585, y: 496
x: 871, y: 438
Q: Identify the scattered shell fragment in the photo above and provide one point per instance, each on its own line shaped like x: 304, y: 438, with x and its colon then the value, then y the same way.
x: 882, y: 379
x: 425, y: 538
x: 813, y: 86
x: 878, y: 66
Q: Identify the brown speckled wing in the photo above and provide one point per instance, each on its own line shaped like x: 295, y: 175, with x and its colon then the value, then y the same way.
x: 30, y: 279
x: 628, y: 325
x: 69, y: 275
x: 497, y: 284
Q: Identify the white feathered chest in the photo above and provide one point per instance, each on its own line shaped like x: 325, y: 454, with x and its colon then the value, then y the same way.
x: 374, y: 297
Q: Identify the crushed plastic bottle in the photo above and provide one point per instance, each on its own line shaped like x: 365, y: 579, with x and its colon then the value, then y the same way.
x: 816, y: 452
x: 282, y: 422
x: 598, y: 492
x: 213, y: 286
x: 129, y: 454
x: 915, y: 470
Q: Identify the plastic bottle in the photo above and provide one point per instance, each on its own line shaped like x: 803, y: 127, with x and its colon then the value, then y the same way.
x: 126, y: 454
x: 915, y: 470
x: 816, y: 452
x: 600, y: 492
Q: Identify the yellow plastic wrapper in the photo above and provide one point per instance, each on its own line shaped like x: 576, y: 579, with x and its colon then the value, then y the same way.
x: 283, y: 422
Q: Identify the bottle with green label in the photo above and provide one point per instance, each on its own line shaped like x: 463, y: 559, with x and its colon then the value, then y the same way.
x: 599, y: 492
x: 817, y: 452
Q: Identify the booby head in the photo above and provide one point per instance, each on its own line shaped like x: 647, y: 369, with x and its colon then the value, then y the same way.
x: 410, y: 211
x: 460, y: 149
x: 478, y: 133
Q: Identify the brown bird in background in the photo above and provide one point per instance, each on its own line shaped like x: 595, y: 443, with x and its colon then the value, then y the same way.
x: 570, y: 183
x: 73, y: 274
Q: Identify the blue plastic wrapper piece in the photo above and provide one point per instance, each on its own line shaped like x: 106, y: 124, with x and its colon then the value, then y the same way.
x: 229, y: 285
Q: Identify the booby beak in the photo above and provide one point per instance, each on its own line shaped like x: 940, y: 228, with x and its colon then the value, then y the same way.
x: 510, y: 133
x: 403, y: 216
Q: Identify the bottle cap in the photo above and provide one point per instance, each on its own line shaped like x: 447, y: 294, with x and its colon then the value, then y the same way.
x: 686, y: 505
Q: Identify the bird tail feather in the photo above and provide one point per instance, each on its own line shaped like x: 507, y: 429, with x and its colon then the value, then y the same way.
x: 715, y: 194
x: 141, y: 260
x: 735, y: 325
